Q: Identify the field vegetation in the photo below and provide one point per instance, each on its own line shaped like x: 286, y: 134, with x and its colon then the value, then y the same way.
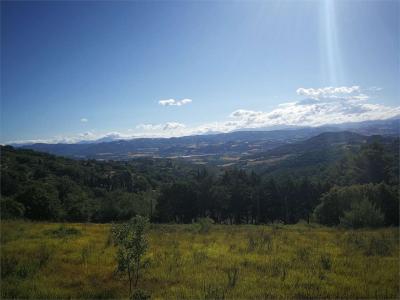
x: 201, y: 261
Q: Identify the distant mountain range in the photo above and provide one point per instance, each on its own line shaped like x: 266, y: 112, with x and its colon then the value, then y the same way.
x: 233, y: 145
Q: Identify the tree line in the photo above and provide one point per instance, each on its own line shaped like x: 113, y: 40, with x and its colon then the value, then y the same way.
x: 40, y: 186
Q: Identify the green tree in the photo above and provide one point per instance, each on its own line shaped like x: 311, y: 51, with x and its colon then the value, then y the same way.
x: 339, y: 200
x: 362, y: 214
x: 132, y: 245
x: 11, y: 209
x: 41, y: 202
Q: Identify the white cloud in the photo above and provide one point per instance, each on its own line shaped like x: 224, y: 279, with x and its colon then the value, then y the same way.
x: 149, y: 126
x: 321, y: 106
x: 173, y: 126
x: 331, y: 92
x: 173, y: 102
x: 84, y: 120
x: 329, y: 105
x: 168, y: 126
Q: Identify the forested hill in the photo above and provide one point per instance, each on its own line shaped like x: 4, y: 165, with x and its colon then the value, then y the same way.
x: 362, y: 183
x: 48, y: 187
x: 314, y: 156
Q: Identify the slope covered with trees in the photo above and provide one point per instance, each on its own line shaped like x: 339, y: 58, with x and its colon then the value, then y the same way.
x: 40, y: 186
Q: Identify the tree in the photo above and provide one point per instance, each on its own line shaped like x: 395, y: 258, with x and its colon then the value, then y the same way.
x: 339, y: 200
x: 132, y: 245
x: 11, y: 209
x: 41, y: 202
x: 362, y: 214
x: 178, y: 202
x: 334, y: 203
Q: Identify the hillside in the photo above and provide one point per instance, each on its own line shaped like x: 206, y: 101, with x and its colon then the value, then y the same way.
x: 313, y: 156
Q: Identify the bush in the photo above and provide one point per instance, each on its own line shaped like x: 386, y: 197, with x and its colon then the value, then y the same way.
x: 213, y: 292
x: 325, y: 261
x: 362, y: 214
x: 232, y: 274
x: 205, y: 224
x: 139, y: 294
x: 131, y: 240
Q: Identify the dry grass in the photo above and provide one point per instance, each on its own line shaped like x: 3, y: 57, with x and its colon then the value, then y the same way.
x: 42, y: 260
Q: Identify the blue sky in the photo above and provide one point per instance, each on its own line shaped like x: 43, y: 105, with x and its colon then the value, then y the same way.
x: 81, y: 70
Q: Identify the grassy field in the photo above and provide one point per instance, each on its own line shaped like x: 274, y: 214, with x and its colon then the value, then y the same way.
x: 51, y: 260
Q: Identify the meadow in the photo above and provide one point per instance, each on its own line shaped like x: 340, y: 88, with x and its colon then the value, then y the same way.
x: 54, y: 260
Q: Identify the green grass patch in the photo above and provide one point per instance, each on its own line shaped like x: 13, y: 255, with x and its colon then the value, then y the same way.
x: 50, y: 260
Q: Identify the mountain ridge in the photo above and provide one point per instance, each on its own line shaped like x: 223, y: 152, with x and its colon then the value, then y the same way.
x: 236, y: 143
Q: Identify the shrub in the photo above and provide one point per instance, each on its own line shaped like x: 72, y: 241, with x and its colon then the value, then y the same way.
x: 131, y: 240
x: 205, y: 224
x: 139, y: 294
x: 233, y: 275
x: 213, y: 292
x: 362, y: 214
x: 325, y: 261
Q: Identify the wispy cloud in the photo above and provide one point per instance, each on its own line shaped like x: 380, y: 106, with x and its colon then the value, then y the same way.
x: 84, y: 120
x: 173, y: 102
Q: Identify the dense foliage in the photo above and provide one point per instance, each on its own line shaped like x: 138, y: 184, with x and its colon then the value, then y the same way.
x: 40, y: 186
x: 44, y: 187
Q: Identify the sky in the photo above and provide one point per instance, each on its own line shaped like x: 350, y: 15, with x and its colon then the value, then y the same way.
x: 78, y: 70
